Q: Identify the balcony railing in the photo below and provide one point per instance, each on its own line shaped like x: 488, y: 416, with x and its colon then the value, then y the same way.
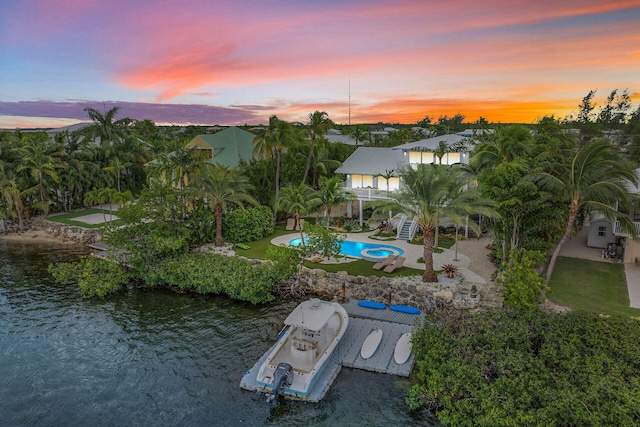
x: 618, y: 229
x: 368, y: 193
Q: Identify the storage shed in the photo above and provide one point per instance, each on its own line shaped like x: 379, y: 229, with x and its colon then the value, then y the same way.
x: 600, y: 233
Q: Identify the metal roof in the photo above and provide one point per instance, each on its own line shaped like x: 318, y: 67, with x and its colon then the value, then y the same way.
x: 431, y: 143
x: 371, y: 161
x: 228, y: 146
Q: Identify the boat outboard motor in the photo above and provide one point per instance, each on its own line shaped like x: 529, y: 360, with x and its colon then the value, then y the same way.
x: 281, y: 378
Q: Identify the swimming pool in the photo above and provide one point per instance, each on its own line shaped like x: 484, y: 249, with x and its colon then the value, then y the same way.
x: 368, y: 251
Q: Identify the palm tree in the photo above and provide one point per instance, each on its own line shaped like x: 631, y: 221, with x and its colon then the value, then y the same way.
x: 298, y: 200
x: 105, y: 127
x: 359, y: 134
x: 387, y: 175
x: 331, y: 193
x: 319, y: 124
x: 597, y: 180
x: 95, y: 197
x: 121, y: 198
x: 441, y: 150
x: 511, y: 142
x: 38, y: 158
x: 182, y: 165
x: 80, y: 172
x: 431, y: 193
x: 117, y: 167
x: 321, y: 161
x: 275, y: 139
x: 13, y: 196
x: 224, y: 188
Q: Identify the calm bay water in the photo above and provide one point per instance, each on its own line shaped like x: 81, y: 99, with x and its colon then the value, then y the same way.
x: 153, y: 357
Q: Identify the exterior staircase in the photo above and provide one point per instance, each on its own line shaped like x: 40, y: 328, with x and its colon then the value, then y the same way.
x: 406, y: 229
x: 405, y: 232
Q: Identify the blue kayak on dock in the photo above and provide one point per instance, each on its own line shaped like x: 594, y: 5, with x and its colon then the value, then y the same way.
x: 405, y: 309
x: 372, y: 304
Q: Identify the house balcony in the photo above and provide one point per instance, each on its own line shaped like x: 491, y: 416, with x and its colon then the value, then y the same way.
x: 368, y: 193
x: 617, y: 229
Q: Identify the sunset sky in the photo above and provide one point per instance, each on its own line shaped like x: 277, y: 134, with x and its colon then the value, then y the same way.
x: 236, y: 62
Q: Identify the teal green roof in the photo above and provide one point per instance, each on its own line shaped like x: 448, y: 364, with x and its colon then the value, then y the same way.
x: 228, y: 146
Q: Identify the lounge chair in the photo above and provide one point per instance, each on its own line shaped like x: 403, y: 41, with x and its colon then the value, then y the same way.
x: 291, y: 223
x: 397, y: 264
x: 388, y: 261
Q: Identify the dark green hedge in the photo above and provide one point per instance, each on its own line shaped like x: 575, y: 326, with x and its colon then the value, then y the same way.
x: 218, y: 274
x: 527, y: 368
x: 248, y: 225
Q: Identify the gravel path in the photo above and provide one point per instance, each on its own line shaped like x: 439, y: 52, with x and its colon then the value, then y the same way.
x: 491, y: 294
x: 477, y: 251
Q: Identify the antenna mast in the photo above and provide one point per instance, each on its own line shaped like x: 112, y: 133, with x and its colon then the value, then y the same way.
x: 349, y: 102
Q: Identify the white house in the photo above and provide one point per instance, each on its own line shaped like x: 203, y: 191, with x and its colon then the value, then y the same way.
x: 629, y: 246
x: 372, y: 172
x: 607, y: 234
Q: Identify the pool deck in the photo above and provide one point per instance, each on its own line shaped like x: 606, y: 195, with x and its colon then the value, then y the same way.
x: 411, y: 253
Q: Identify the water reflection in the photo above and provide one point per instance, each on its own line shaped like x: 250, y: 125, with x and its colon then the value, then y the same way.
x: 153, y: 357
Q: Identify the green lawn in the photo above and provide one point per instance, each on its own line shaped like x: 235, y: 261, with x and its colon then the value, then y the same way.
x: 595, y: 286
x: 68, y: 218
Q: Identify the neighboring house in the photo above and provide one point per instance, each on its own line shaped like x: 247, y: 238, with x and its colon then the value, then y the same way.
x: 71, y: 128
x: 456, y: 150
x: 470, y: 133
x: 630, y: 247
x: 227, y: 147
x: 603, y: 233
x: 334, y: 135
x: 417, y: 130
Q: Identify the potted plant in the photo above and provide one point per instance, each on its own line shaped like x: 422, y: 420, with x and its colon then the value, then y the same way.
x: 450, y: 270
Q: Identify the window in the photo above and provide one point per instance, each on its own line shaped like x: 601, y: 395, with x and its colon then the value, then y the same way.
x: 602, y: 231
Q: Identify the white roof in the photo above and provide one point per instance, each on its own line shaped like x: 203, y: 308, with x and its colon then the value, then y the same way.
x: 338, y: 137
x: 312, y: 314
x: 371, y: 161
x: 70, y: 128
x: 431, y: 143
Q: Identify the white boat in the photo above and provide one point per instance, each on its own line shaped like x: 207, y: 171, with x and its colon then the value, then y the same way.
x: 313, y: 330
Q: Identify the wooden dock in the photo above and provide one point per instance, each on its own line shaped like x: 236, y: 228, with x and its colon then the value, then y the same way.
x: 361, y: 322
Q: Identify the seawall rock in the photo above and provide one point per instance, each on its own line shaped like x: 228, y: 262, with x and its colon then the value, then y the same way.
x: 403, y: 290
x: 65, y: 232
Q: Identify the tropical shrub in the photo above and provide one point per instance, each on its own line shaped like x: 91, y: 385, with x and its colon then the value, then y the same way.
x: 287, y: 258
x: 324, y: 241
x: 94, y: 276
x: 217, y: 274
x: 522, y: 285
x: 518, y: 367
x: 248, y: 225
x: 351, y: 224
x: 450, y: 270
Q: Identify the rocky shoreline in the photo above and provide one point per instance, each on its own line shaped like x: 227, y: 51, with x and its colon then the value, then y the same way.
x: 446, y: 293
x: 40, y: 229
